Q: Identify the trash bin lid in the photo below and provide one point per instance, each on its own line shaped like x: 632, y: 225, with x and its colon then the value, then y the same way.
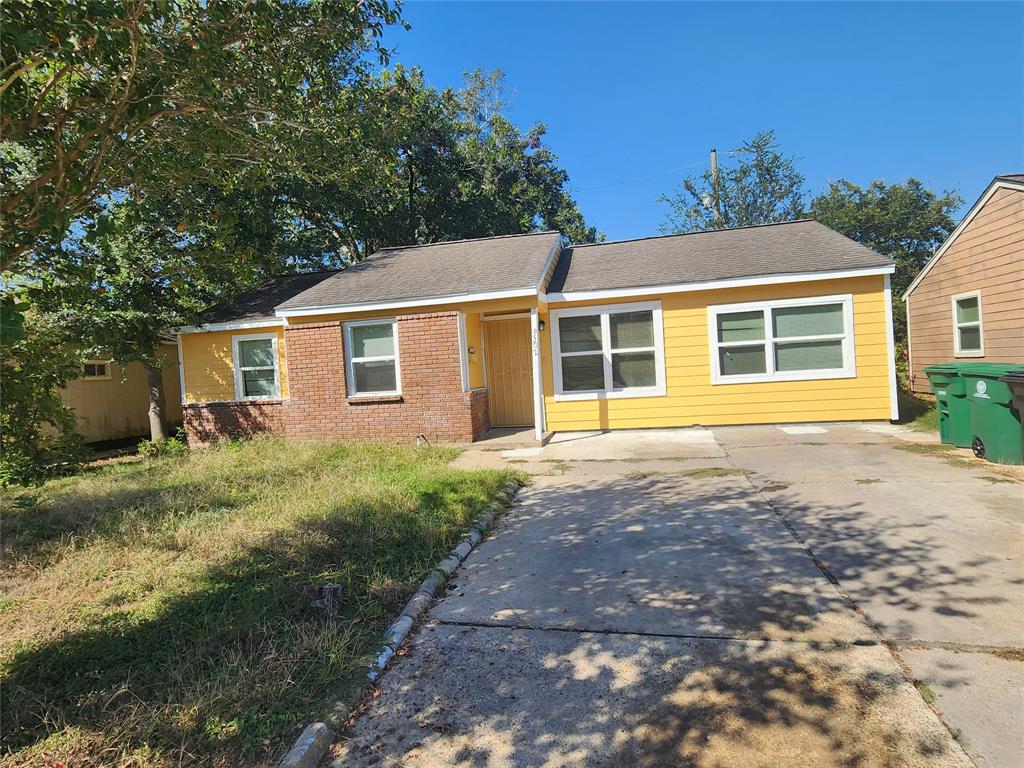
x: 990, y: 370
x: 949, y: 369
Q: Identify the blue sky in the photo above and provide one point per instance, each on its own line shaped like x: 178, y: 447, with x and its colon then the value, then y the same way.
x: 636, y: 94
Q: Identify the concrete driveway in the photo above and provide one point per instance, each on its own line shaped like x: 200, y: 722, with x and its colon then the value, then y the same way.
x: 668, y: 599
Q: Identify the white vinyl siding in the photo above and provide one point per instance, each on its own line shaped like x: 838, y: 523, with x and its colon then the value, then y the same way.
x: 785, y: 340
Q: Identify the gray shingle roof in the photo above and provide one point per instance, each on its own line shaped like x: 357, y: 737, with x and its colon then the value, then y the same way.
x: 259, y: 303
x: 774, y: 249
x: 1017, y: 178
x: 435, y: 270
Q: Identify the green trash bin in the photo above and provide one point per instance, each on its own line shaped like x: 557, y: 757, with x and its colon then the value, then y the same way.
x: 951, y: 403
x: 995, y: 422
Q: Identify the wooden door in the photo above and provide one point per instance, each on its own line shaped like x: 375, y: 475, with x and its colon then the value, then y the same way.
x: 508, y: 354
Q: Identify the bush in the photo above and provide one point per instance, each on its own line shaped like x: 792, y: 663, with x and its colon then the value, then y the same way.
x: 174, y: 445
x: 37, y: 431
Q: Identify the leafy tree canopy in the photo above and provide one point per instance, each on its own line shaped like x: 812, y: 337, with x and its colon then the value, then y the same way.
x: 100, y: 97
x: 762, y: 187
x: 905, y: 220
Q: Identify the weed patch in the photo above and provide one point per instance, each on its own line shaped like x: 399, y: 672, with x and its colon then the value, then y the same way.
x: 156, y: 613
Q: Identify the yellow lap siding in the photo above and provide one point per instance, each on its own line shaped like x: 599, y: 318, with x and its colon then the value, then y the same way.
x: 690, y: 396
x: 209, y: 372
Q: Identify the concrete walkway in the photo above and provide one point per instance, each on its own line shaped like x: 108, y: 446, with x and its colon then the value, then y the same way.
x: 655, y: 602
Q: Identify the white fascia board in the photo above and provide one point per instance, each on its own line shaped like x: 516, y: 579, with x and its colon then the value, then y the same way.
x: 240, y: 326
x: 737, y: 282
x: 404, y: 303
x: 890, y: 347
x: 994, y: 187
x: 555, y: 250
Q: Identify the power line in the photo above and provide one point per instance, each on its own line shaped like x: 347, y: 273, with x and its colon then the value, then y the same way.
x: 621, y: 182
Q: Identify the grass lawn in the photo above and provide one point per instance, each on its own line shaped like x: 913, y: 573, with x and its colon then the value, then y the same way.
x: 918, y: 413
x: 152, y: 613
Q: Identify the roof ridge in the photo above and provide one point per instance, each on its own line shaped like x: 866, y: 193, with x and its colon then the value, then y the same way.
x: 465, y: 240
x: 696, y: 232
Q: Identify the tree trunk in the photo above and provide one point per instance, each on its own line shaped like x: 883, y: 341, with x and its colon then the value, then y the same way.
x: 157, y: 417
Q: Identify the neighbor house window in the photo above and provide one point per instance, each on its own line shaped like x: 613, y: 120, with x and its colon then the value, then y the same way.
x: 967, y: 333
x: 787, y: 340
x: 256, y: 366
x: 371, y: 352
x: 96, y: 369
x: 614, y: 351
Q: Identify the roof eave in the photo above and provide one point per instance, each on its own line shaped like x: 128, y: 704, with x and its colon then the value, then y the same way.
x: 709, y: 285
x: 424, y: 301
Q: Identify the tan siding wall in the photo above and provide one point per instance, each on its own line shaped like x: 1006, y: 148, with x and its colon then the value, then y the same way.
x: 987, y: 256
x: 109, y: 409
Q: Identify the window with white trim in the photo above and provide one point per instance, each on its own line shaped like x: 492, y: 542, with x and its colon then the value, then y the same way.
x: 255, y: 361
x: 95, y: 370
x: 613, y: 351
x: 371, y: 357
x: 786, y: 340
x: 968, y: 338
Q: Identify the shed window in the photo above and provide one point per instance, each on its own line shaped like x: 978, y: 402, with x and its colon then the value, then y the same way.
x: 95, y: 369
x: 256, y: 366
x: 790, y: 340
x: 614, y: 351
x: 371, y: 351
x: 967, y: 333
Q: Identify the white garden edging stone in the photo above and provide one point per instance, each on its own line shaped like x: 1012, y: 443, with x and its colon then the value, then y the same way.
x: 317, y: 737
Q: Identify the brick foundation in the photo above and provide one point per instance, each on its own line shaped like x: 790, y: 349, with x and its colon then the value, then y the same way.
x: 207, y: 423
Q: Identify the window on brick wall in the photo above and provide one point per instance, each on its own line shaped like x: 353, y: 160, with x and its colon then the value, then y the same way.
x: 255, y: 362
x: 371, y: 357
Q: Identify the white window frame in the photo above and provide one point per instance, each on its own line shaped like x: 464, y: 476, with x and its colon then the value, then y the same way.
x: 236, y: 364
x: 606, y: 351
x: 350, y: 360
x: 849, y: 369
x: 957, y: 351
x: 97, y: 361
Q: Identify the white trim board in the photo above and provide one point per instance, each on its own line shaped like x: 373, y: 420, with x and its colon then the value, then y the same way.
x: 239, y: 326
x: 992, y: 188
x: 957, y: 351
x: 737, y: 282
x: 890, y: 346
x: 404, y: 303
x: 660, y: 386
x: 848, y: 371
x: 350, y: 375
x: 237, y: 370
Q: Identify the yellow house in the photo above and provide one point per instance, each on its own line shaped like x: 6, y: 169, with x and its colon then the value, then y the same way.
x: 111, y: 401
x: 778, y: 323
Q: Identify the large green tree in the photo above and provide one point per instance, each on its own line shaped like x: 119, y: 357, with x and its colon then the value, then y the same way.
x: 906, y: 221
x: 99, y: 97
x: 762, y: 186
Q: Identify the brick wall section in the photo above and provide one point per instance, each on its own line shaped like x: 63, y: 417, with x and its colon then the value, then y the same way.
x: 207, y: 423
x: 432, y: 402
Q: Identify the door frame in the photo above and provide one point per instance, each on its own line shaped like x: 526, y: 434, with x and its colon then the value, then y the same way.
x: 538, y: 390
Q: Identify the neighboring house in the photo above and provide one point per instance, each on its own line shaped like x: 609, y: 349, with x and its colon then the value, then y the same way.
x: 779, y: 323
x: 968, y: 302
x: 112, y: 401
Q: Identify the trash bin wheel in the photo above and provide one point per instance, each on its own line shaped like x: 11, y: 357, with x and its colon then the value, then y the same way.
x: 978, y: 447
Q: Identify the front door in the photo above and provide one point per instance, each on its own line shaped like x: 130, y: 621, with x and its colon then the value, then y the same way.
x: 508, y: 358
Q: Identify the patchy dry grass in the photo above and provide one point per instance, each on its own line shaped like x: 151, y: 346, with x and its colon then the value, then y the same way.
x: 153, y: 613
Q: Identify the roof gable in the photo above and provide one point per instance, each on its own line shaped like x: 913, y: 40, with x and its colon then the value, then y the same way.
x: 1007, y: 181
